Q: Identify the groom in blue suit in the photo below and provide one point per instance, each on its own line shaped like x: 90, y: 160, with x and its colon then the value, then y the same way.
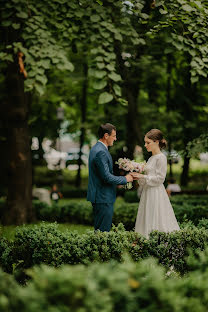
x: 102, y: 183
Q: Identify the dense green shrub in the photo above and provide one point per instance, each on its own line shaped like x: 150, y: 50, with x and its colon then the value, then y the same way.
x: 45, y: 177
x: 77, y: 212
x: 46, y: 244
x: 193, y: 209
x: 107, y: 287
x: 46, y: 212
x: 6, y: 258
x: 71, y: 192
x: 131, y: 197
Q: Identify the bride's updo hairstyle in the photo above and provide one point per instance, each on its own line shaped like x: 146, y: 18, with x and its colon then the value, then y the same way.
x: 156, y: 134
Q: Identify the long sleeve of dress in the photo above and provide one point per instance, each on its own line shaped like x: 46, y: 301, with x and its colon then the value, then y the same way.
x: 101, y: 162
x: 160, y: 172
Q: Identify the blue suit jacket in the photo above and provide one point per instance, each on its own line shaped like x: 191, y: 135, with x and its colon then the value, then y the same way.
x: 102, y: 183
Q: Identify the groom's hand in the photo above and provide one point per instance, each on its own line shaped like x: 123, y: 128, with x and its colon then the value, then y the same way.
x: 137, y: 176
x: 129, y: 178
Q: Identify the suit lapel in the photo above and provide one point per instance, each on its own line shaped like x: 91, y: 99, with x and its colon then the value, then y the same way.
x: 108, y: 154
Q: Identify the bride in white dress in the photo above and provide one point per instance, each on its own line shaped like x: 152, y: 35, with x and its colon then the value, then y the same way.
x: 155, y: 211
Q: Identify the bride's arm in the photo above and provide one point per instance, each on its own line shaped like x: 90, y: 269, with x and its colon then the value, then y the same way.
x: 161, y: 170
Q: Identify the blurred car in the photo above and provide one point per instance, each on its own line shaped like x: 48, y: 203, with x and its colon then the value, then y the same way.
x: 73, y: 156
x: 173, y: 155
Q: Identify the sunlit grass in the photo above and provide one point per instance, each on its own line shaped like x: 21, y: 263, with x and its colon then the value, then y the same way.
x: 9, y: 231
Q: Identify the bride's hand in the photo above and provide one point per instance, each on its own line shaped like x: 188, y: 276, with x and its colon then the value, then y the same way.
x: 136, y: 175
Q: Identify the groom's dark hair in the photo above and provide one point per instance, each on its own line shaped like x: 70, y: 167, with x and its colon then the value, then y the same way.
x: 106, y: 128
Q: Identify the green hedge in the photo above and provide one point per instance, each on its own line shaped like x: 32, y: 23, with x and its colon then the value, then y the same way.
x: 131, y: 197
x: 192, y: 208
x: 45, y: 244
x: 71, y: 192
x: 107, y: 287
x: 187, y: 208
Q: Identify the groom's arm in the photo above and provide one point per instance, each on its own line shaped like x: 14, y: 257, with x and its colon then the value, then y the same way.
x: 101, y: 161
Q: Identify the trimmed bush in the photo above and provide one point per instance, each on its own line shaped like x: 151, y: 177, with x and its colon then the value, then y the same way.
x: 192, y: 209
x: 45, y: 244
x: 107, y: 287
x: 71, y: 192
x: 131, y: 197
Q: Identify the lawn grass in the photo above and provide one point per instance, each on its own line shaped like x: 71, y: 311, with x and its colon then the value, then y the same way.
x: 9, y: 231
x: 198, y: 174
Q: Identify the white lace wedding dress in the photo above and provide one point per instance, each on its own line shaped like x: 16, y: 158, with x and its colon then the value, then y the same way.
x: 155, y: 211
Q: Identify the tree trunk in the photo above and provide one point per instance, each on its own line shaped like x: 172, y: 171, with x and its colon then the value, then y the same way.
x: 19, y: 200
x: 130, y: 92
x: 133, y: 130
x: 170, y: 160
x: 190, y: 97
x: 83, y: 107
x: 168, y: 109
x: 184, y: 176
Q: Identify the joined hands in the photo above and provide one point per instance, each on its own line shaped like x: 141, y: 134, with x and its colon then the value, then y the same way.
x: 129, y: 178
x: 136, y: 175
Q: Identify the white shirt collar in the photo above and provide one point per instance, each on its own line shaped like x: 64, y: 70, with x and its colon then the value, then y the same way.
x: 103, y: 144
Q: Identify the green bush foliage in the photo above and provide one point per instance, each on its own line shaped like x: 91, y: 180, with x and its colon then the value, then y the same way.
x: 192, y: 208
x: 108, y: 287
x: 45, y: 244
x: 72, y: 192
x: 186, y: 208
x: 131, y: 197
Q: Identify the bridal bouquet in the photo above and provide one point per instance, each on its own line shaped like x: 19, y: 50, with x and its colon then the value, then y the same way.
x: 130, y: 166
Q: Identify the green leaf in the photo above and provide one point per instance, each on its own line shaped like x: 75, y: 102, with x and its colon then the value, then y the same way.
x: 162, y: 11
x: 123, y: 102
x: 6, y: 23
x: 118, y: 36
x: 105, y: 97
x: 117, y: 89
x: 115, y: 77
x: 45, y: 63
x: 42, y: 79
x: 111, y: 56
x: 192, y: 52
x: 99, y: 59
x: 194, y: 79
x: 94, y: 51
x: 16, y: 26
x: 110, y: 67
x: 100, y: 65
x: 69, y: 66
x: 22, y: 15
x: 99, y: 1
x: 168, y: 50
x: 28, y: 83
x: 187, y: 8
x: 79, y: 13
x: 144, y: 15
x: 105, y: 34
x: 100, y: 74
x: 98, y: 85
x: 55, y: 60
x: 138, y: 41
x: 6, y: 57
x: 39, y: 88
x: 95, y: 18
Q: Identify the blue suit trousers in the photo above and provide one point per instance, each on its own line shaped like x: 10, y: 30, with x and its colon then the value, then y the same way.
x: 103, y: 214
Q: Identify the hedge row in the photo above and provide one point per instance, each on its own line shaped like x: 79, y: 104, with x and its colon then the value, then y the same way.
x: 132, y: 197
x: 108, y: 287
x: 192, y: 208
x: 45, y: 244
x: 186, y: 208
